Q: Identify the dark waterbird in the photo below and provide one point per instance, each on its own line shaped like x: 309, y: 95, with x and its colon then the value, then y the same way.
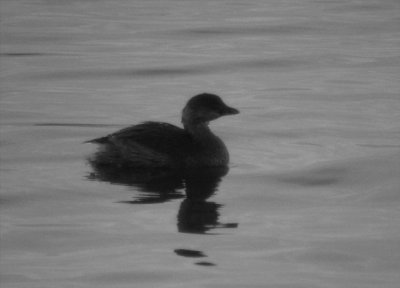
x: 162, y: 145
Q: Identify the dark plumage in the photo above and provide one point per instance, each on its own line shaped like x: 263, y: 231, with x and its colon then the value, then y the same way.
x: 155, y: 144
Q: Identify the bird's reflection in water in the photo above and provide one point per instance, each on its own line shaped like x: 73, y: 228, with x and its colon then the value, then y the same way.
x: 196, y: 214
x: 155, y: 186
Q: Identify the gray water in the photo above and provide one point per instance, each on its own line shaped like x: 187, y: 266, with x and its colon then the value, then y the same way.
x: 312, y: 195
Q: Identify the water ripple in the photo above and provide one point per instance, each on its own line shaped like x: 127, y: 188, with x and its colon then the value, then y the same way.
x: 74, y: 125
x: 25, y: 54
x: 250, y: 30
x: 168, y: 71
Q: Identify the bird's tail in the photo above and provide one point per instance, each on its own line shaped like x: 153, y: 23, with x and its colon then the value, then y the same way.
x: 101, y: 140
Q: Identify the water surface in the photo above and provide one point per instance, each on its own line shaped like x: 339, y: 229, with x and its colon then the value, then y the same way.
x: 311, y: 198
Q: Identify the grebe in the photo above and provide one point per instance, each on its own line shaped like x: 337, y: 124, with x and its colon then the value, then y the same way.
x: 162, y: 145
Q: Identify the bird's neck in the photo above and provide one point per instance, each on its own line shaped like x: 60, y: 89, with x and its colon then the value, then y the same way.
x: 198, y: 130
x: 211, y: 151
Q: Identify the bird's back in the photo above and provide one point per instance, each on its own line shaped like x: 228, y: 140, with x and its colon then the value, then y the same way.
x: 149, y: 144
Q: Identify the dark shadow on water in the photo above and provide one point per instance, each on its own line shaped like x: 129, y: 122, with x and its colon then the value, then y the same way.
x: 252, y: 30
x: 205, y: 263
x: 322, y: 176
x: 189, y: 253
x: 25, y: 54
x: 195, y: 215
x: 153, y: 186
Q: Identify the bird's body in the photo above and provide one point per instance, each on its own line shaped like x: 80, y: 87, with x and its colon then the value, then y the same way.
x: 163, y: 145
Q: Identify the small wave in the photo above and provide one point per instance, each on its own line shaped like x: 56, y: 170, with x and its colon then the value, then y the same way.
x: 75, y: 125
x: 247, y: 31
x: 168, y: 71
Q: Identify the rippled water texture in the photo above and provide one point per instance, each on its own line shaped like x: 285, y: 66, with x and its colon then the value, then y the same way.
x: 312, y: 195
